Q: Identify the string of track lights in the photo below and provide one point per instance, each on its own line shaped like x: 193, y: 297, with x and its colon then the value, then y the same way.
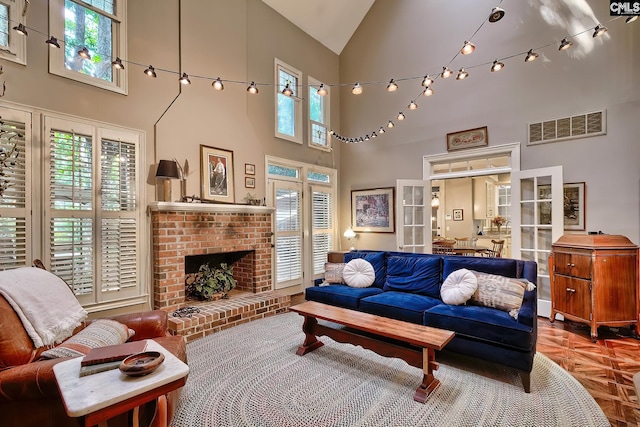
x: 468, y: 47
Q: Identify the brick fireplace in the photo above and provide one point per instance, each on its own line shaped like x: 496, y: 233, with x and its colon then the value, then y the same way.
x: 194, y: 230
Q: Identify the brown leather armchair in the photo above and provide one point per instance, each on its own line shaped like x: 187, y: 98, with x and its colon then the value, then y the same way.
x: 29, y: 394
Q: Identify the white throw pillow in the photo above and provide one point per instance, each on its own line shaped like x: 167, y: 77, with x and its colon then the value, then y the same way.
x: 358, y: 273
x: 458, y: 287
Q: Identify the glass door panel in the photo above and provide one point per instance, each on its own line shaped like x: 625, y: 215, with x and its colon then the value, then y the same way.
x: 413, y: 227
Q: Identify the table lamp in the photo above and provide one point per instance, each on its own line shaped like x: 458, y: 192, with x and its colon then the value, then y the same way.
x: 351, y: 236
x: 167, y: 169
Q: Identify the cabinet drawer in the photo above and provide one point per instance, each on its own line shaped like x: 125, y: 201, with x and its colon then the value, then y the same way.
x: 571, y: 264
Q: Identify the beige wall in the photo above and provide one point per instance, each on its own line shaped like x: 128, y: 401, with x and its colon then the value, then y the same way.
x: 236, y: 40
x: 412, y: 37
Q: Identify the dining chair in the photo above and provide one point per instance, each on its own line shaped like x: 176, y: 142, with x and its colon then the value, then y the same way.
x: 496, y: 251
x: 443, y: 247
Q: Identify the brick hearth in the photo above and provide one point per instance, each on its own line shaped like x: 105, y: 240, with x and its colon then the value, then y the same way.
x: 188, y: 229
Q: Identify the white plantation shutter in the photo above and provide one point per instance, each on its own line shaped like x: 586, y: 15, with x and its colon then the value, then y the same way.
x: 95, y: 215
x: 288, y: 233
x: 71, y: 202
x: 119, y: 237
x: 13, y: 201
x: 322, y: 226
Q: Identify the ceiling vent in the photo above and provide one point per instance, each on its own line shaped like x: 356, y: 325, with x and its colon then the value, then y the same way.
x: 579, y: 126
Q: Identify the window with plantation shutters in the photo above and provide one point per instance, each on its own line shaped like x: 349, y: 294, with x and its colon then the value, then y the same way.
x: 95, y: 216
x: 288, y: 233
x: 14, y: 203
x: 322, y: 226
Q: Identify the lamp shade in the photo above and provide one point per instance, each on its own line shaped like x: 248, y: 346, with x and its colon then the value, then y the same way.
x: 349, y: 233
x: 167, y: 169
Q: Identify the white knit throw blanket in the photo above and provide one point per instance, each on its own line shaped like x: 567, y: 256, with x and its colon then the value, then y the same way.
x: 46, y: 306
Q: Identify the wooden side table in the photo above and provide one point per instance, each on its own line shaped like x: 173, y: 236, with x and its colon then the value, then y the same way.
x: 98, y: 397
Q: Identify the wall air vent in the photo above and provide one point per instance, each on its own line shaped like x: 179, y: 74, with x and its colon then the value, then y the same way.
x: 578, y: 126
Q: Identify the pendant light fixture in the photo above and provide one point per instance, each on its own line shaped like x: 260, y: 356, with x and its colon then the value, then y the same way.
x: 462, y: 74
x: 381, y: 130
x: 497, y: 66
x: 252, y: 89
x: 287, y: 91
x: 390, y: 124
x: 531, y: 56
x: 53, y: 42
x: 630, y: 19
x: 322, y: 91
x: 217, y: 84
x: 496, y: 14
x: 117, y: 63
x: 599, y: 30
x: 467, y: 48
x: 184, y: 79
x: 446, y: 72
x: 565, y: 44
x: 21, y: 29
x: 357, y: 89
x: 84, y: 53
x: 413, y: 106
x: 151, y: 72
x: 427, y: 81
x: 392, y: 86
x: 400, y: 116
x: 428, y: 91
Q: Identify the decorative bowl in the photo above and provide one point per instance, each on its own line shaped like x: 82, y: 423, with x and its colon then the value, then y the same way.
x: 141, y: 364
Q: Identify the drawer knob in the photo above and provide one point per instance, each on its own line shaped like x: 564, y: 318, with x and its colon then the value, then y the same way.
x: 570, y: 265
x: 570, y: 290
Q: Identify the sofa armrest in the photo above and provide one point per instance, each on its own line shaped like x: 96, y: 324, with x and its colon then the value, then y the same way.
x: 529, y: 310
x: 31, y: 381
x: 150, y: 324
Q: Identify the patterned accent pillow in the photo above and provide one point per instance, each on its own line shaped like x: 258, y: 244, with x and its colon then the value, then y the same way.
x: 100, y: 333
x: 333, y: 272
x: 458, y: 287
x: 503, y: 293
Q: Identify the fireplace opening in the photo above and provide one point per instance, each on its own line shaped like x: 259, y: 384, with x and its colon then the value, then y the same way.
x: 242, y: 263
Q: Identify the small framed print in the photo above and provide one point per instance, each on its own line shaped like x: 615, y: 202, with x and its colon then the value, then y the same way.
x: 249, y: 182
x: 249, y: 169
x: 216, y: 174
x: 458, y: 215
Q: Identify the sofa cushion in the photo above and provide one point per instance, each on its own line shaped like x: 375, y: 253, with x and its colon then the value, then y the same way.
x: 340, y: 295
x: 333, y: 272
x: 101, y: 333
x: 377, y: 260
x: 502, y: 266
x: 359, y: 273
x: 503, y: 293
x: 458, y: 287
x: 415, y: 274
x: 399, y: 305
x: 482, y: 323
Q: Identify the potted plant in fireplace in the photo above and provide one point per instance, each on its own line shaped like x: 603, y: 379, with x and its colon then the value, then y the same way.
x: 212, y: 282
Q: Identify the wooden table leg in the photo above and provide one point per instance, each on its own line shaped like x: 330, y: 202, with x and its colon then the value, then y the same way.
x: 429, y: 382
x: 310, y: 340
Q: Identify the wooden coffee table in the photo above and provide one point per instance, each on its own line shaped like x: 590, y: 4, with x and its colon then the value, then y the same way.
x: 415, y: 344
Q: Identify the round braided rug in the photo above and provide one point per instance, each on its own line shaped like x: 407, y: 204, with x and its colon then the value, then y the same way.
x: 249, y: 375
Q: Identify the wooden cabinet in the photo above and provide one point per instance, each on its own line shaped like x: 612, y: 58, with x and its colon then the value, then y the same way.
x: 595, y: 280
x: 484, y: 198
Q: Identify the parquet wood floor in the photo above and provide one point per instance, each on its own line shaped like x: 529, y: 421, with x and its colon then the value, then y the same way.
x: 605, y: 368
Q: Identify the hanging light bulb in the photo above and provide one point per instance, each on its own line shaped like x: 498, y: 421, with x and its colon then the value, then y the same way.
x: 21, y: 29
x: 496, y: 14
x: 497, y: 66
x: 531, y: 56
x: 446, y: 72
x: 462, y: 74
x: 390, y: 124
x: 467, y: 48
x: 151, y: 72
x: 428, y: 91
x: 53, y: 42
x: 117, y: 63
x: 427, y: 81
x: 565, y: 44
x: 413, y: 106
x: 287, y: 90
x: 367, y: 138
x: 599, y: 30
x: 217, y: 84
x: 331, y: 132
x: 357, y: 89
x: 374, y: 135
x: 322, y: 91
x: 252, y: 89
x: 435, y: 201
x: 630, y: 19
x: 84, y: 53
x: 184, y: 79
x: 400, y: 116
x: 392, y: 86
x: 381, y: 130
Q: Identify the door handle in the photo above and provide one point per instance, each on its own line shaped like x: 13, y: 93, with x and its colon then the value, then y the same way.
x: 571, y: 290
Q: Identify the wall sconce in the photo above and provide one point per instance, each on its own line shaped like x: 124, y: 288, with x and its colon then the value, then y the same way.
x: 435, y: 201
x: 167, y: 169
x: 351, y: 236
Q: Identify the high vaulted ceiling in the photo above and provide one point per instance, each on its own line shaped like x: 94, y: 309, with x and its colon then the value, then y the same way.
x: 331, y: 22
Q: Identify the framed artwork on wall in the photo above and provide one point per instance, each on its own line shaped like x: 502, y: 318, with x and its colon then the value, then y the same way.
x: 216, y: 174
x: 458, y: 215
x: 372, y: 211
x: 471, y: 138
x: 573, y: 207
x: 249, y: 182
x: 249, y: 169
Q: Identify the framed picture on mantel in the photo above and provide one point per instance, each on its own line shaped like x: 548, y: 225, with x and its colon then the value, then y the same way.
x: 216, y: 174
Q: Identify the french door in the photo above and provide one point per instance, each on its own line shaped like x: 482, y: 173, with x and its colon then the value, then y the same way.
x: 413, y: 233
x: 288, y: 233
x: 537, y: 222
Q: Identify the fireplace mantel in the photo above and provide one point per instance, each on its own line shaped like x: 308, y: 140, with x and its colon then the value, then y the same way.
x: 208, y: 207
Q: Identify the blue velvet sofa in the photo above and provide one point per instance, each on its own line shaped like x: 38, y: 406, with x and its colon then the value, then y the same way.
x: 407, y: 287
